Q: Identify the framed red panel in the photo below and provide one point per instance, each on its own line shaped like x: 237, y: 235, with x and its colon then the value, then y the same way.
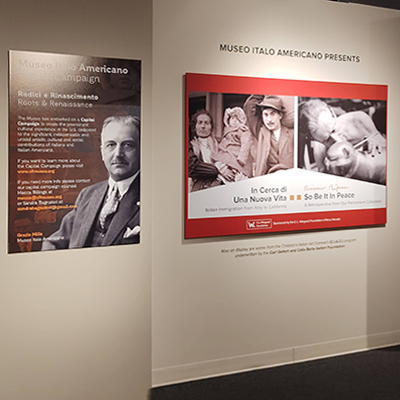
x: 271, y: 155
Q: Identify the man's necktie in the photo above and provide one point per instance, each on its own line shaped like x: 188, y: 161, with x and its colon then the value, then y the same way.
x: 110, y: 206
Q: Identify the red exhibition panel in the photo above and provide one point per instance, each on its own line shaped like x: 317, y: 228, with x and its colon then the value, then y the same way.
x: 315, y: 181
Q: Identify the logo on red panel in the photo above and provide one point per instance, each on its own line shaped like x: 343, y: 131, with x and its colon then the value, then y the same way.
x: 252, y: 224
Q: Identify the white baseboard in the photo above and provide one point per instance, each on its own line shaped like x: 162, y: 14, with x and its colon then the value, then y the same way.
x: 249, y: 362
x: 346, y: 346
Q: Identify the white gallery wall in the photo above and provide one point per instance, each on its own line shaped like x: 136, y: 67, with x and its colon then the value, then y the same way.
x: 214, y: 313
x: 76, y: 324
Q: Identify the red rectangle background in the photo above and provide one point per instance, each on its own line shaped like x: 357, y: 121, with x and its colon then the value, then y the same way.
x: 237, y: 225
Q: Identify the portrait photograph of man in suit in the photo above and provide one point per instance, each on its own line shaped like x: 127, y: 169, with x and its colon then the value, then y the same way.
x: 107, y: 213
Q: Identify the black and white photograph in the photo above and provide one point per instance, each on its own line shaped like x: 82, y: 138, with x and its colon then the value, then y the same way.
x: 343, y: 137
x: 107, y: 213
x: 296, y: 155
x: 235, y: 137
x: 74, y: 154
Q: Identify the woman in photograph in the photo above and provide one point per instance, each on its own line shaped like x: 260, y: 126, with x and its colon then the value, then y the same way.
x: 203, y: 172
x: 236, y: 144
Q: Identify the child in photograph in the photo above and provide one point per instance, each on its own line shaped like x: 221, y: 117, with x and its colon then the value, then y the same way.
x: 236, y: 144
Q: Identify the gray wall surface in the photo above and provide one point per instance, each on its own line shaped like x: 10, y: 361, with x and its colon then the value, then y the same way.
x: 75, y: 324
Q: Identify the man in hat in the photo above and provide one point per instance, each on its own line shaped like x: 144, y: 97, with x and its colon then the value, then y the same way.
x: 275, y: 147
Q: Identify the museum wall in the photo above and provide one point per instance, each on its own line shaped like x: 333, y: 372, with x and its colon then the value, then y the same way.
x: 214, y: 313
x: 75, y: 324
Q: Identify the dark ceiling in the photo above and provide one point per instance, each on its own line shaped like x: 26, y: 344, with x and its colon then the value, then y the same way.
x: 394, y: 4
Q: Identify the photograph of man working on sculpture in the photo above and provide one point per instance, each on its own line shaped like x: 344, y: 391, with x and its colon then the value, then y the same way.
x: 343, y: 137
x: 234, y: 137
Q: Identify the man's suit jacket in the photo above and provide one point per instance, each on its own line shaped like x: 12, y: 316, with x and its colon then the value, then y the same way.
x: 77, y: 225
x: 263, y: 136
x: 286, y: 149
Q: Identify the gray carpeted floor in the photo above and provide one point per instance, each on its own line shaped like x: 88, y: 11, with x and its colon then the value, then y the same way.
x: 370, y: 375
